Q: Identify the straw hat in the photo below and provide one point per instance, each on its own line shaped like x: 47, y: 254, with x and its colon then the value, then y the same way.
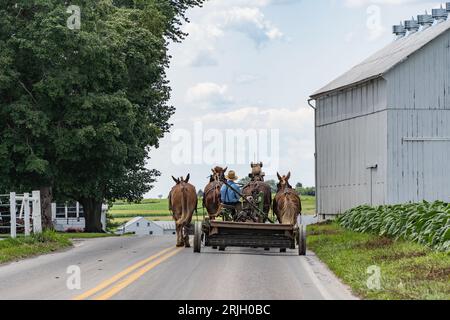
x: 231, y: 176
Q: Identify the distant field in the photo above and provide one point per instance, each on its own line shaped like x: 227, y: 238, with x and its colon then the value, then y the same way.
x: 309, y: 205
x: 158, y: 210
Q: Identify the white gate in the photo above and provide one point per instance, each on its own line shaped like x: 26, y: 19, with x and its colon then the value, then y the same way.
x: 24, y: 213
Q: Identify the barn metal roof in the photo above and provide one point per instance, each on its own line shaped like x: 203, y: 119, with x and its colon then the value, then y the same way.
x: 133, y: 221
x: 385, y: 59
x: 166, y: 225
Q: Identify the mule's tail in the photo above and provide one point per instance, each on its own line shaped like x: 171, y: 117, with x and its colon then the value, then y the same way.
x: 290, y: 211
x: 184, y: 207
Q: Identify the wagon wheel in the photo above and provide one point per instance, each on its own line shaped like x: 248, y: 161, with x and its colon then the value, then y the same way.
x: 301, y: 240
x: 198, y: 238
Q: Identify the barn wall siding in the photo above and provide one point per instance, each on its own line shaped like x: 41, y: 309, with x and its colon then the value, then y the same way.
x: 423, y: 80
x: 418, y: 97
x: 353, y: 102
x: 418, y: 155
x: 345, y: 150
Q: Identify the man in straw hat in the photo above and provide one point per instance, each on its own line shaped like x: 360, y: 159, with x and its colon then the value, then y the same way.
x: 228, y: 196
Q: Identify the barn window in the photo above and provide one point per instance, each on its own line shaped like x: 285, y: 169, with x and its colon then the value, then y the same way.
x: 151, y: 232
x: 148, y: 224
x: 137, y: 224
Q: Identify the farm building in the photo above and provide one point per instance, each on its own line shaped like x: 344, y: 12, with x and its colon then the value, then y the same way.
x: 70, y: 217
x: 169, y: 227
x: 383, y: 128
x: 141, y: 227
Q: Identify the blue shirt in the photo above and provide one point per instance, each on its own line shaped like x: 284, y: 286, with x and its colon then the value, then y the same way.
x: 229, y: 196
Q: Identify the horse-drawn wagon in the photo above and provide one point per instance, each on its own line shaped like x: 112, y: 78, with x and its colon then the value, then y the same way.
x: 248, y: 225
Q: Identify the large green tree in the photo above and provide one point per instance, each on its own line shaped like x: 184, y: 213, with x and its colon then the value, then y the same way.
x: 81, y: 108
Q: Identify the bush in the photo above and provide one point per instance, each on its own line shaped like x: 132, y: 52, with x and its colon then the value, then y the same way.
x: 425, y: 223
x: 48, y: 236
x: 306, y: 191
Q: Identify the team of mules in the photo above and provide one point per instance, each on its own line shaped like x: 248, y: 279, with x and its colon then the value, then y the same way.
x: 183, y: 199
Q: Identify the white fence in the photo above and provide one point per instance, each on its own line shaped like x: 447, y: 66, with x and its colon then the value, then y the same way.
x: 70, y: 216
x: 21, y: 212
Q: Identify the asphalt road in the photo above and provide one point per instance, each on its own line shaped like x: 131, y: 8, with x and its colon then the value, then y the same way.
x: 152, y: 268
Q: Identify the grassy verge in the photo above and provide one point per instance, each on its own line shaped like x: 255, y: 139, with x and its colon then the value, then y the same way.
x: 24, y: 247
x: 408, y: 270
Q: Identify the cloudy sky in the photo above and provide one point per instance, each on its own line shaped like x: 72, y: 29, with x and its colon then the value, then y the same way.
x: 242, y: 78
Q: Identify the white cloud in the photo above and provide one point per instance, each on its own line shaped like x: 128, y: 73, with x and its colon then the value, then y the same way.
x: 204, y: 58
x: 251, y: 22
x: 361, y: 3
x: 296, y: 128
x: 220, y: 18
x: 209, y: 94
x: 246, y: 78
x: 253, y: 3
x: 292, y: 120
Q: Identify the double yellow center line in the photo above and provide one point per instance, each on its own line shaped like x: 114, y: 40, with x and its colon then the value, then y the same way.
x: 126, y: 277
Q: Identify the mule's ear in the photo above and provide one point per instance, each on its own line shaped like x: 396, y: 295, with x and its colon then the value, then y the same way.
x: 225, y: 170
x: 212, y: 170
x: 288, y: 175
x: 177, y: 181
x: 187, y: 178
x: 279, y: 177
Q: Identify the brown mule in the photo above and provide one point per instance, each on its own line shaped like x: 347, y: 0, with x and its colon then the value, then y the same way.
x: 182, y: 204
x: 257, y: 186
x: 287, y: 205
x: 211, y: 194
x: 253, y: 188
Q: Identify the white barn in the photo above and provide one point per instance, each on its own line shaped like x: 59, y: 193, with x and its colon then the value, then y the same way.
x: 383, y: 128
x: 169, y: 227
x: 141, y: 227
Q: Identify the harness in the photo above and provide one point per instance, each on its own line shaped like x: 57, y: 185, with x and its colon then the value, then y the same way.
x: 215, y: 185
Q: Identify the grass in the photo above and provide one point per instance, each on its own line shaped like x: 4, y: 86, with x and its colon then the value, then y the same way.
x: 158, y: 210
x: 49, y: 241
x: 409, y: 271
x: 24, y: 247
x: 309, y: 205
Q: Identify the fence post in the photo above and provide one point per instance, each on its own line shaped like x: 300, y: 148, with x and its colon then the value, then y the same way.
x: 26, y: 203
x: 37, y: 213
x: 65, y: 212
x: 53, y: 212
x: 12, y: 210
x: 103, y: 217
x: 78, y: 210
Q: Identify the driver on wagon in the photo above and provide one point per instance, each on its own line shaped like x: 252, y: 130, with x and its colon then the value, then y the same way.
x: 228, y: 196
